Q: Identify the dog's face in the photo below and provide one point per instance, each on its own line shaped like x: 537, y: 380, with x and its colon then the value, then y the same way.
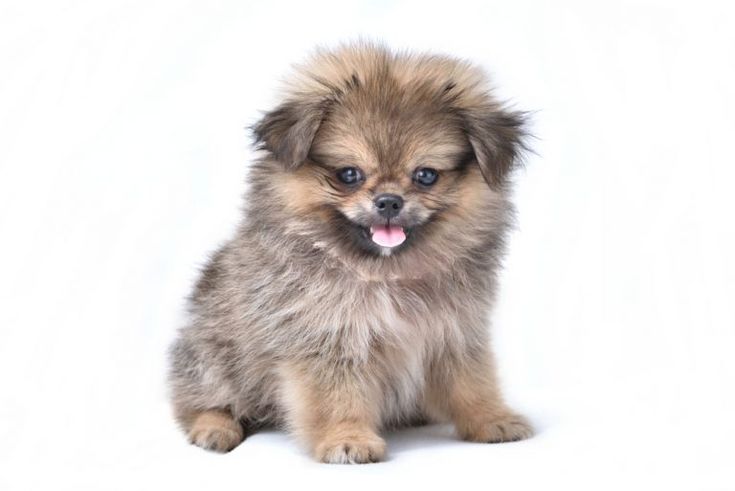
x: 388, y: 169
x: 386, y: 153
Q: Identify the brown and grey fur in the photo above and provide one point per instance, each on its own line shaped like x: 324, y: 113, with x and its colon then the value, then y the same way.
x: 293, y: 323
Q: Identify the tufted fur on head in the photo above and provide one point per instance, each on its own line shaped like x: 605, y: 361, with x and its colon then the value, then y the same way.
x: 302, y: 320
x: 495, y: 133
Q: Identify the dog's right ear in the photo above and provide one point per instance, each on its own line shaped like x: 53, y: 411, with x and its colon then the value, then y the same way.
x: 288, y: 131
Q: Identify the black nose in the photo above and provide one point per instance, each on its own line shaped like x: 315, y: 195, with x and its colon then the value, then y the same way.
x: 388, y: 205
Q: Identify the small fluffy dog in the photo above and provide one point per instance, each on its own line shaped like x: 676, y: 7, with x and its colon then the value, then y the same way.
x: 355, y: 294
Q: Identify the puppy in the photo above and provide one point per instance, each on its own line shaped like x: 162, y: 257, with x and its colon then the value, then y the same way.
x: 354, y: 295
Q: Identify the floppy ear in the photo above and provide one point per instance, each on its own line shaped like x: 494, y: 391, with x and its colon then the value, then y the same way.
x: 497, y: 138
x: 288, y: 131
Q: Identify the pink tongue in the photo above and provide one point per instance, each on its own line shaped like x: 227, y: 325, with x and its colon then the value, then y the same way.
x: 387, y: 236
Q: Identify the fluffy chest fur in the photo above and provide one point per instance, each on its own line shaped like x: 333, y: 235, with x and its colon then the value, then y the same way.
x: 389, y: 331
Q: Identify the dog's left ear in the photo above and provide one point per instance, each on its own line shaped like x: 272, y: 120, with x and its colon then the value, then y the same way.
x: 288, y: 131
x: 498, y: 138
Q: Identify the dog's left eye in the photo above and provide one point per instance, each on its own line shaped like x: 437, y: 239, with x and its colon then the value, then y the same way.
x: 349, y: 175
x: 425, y: 176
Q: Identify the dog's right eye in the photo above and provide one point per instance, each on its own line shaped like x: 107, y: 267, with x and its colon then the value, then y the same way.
x: 350, y: 175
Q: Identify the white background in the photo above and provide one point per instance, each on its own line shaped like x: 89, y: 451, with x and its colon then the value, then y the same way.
x: 123, y: 152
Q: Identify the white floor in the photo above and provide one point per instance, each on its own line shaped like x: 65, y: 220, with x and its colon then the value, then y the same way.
x: 624, y: 449
x: 122, y: 156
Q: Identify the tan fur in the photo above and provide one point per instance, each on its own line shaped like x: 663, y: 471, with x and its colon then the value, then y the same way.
x: 301, y: 321
x: 340, y: 422
x: 215, y: 429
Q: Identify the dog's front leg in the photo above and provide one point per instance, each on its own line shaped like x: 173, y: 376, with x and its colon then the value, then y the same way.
x: 464, y: 388
x: 335, y: 409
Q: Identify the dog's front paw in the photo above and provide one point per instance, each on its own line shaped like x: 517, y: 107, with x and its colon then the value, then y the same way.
x: 508, y: 428
x: 216, y: 430
x: 355, y: 448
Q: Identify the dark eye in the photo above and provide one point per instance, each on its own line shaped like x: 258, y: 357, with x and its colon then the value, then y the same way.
x: 425, y: 176
x: 349, y: 175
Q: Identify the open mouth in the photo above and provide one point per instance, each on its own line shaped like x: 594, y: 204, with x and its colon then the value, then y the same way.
x: 378, y: 237
x: 387, y: 235
x: 383, y: 235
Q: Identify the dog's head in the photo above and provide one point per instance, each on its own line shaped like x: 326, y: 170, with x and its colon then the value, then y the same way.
x: 383, y: 152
